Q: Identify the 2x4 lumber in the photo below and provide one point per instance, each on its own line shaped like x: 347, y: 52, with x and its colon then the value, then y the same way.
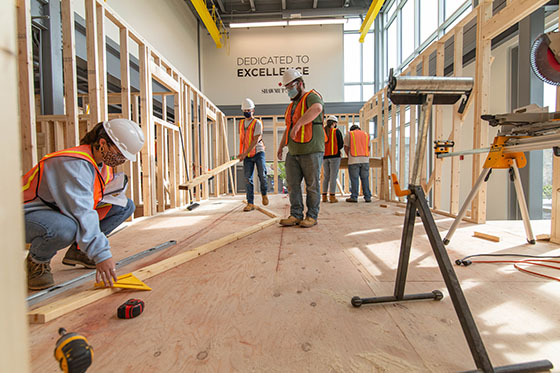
x: 393, y: 145
x: 514, y: 12
x: 196, y: 134
x: 70, y: 79
x: 163, y: 77
x: 211, y: 115
x: 266, y: 211
x: 384, y: 175
x: 402, y: 144
x: 56, y: 309
x: 412, y: 132
x: 148, y: 159
x: 136, y: 193
x: 92, y: 64
x: 204, y: 177
x: 26, y: 88
x: 204, y: 146
x: 165, y: 124
x: 482, y: 90
x: 486, y: 236
x: 374, y: 162
x: 425, y: 72
x: 102, y: 61
x: 160, y: 164
x: 457, y: 124
x: 438, y: 129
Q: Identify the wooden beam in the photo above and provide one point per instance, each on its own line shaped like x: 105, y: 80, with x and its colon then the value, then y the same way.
x: 514, y: 12
x: 457, y: 125
x: 92, y: 64
x: 147, y: 152
x: 26, y: 87
x: 402, y: 144
x: 102, y: 62
x: 61, y: 307
x: 204, y: 177
x: 70, y: 79
x: 164, y: 78
x: 438, y: 130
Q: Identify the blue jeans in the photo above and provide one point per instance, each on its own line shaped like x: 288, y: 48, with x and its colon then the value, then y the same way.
x: 248, y: 170
x: 357, y: 172
x: 330, y: 174
x: 308, y: 167
x: 49, y: 231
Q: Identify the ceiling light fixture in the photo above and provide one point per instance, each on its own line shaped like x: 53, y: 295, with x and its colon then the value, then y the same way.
x: 258, y: 24
x: 298, y: 22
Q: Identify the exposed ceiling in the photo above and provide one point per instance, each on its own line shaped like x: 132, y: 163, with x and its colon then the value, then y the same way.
x: 275, y: 10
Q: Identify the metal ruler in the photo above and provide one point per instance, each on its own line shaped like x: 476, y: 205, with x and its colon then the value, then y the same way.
x: 57, y: 289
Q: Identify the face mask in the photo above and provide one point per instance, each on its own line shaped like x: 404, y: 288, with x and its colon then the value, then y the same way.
x: 247, y: 114
x: 112, y: 159
x: 292, y: 92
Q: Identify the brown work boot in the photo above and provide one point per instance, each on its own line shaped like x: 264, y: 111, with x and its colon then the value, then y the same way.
x: 308, y: 222
x: 39, y: 275
x: 249, y: 207
x: 332, y: 199
x: 265, y: 200
x: 74, y: 256
x: 290, y: 221
x: 352, y: 200
x: 325, y: 197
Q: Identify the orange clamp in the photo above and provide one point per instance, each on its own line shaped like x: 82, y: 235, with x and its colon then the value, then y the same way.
x: 398, y: 191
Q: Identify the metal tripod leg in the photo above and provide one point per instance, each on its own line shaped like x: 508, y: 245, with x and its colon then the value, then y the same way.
x: 466, y: 205
x: 522, y: 203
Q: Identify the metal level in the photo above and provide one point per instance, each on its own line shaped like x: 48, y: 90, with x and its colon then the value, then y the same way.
x: 57, y: 289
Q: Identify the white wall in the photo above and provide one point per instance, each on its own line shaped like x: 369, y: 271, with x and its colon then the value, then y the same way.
x: 168, y: 26
x: 318, y: 49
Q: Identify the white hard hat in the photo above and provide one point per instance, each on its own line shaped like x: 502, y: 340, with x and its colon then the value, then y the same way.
x: 247, y: 104
x: 333, y: 118
x: 290, y: 75
x: 126, y: 135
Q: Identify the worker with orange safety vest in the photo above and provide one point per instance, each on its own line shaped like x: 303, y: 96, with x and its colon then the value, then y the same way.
x: 251, y: 152
x: 331, y: 159
x: 356, y: 145
x: 305, y: 139
x: 64, y: 202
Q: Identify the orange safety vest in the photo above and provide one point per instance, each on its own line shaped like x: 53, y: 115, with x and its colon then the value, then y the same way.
x: 359, y: 143
x: 331, y: 147
x: 246, y: 136
x: 32, y: 179
x: 305, y: 133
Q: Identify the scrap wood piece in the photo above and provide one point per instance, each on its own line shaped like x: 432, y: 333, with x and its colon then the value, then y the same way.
x: 384, y: 206
x: 486, y: 236
x: 543, y: 237
x: 61, y: 307
x: 202, y: 178
x: 266, y: 211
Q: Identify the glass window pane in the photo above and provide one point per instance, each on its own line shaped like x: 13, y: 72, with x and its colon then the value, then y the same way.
x: 392, y: 10
x: 351, y: 58
x: 392, y: 45
x: 451, y: 6
x: 407, y: 16
x: 458, y: 19
x: 428, y: 18
x: 367, y: 92
x: 351, y: 93
x: 352, y: 24
x: 368, y: 51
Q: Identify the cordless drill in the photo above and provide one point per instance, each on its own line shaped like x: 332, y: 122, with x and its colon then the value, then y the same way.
x: 73, y: 352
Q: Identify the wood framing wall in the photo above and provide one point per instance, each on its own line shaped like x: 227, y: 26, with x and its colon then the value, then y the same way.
x: 161, y: 166
x: 382, y: 110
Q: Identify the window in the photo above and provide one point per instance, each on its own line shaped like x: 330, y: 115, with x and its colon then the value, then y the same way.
x: 352, y: 93
x: 407, y: 33
x: 352, y: 53
x: 428, y: 18
x: 392, y: 46
x: 451, y: 6
x: 359, y: 63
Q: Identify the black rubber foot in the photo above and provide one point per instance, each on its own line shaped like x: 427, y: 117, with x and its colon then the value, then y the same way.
x: 356, y: 301
x: 438, y: 295
x: 532, y: 242
x: 445, y: 241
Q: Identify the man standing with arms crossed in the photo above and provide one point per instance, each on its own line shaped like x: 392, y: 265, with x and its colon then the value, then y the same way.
x: 305, y: 139
x: 251, y: 152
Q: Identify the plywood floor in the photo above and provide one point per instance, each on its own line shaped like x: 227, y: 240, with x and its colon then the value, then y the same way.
x: 278, y: 301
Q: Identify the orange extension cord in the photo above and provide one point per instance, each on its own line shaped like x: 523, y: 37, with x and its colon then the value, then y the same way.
x: 536, y: 262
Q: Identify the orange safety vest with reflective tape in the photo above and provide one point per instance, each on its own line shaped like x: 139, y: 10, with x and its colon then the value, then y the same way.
x: 359, y: 143
x: 331, y: 147
x: 32, y: 179
x: 305, y: 133
x: 246, y: 136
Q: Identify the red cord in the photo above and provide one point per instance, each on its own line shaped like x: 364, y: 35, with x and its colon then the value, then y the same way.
x: 536, y: 262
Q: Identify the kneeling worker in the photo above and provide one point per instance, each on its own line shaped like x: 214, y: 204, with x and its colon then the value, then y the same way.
x: 251, y: 152
x: 63, y: 202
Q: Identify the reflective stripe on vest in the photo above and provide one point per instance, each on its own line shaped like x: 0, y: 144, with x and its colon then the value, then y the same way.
x: 246, y: 136
x: 359, y: 144
x: 331, y: 148
x: 31, y: 181
x: 305, y: 133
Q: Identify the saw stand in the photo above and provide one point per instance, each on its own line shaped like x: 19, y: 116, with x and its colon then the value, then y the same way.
x: 417, y: 202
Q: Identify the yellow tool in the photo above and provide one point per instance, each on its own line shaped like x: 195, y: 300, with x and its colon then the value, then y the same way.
x: 442, y: 147
x: 398, y: 191
x: 73, y: 352
x: 128, y: 281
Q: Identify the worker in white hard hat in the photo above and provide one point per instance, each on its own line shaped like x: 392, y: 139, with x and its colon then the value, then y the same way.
x: 356, y: 145
x: 305, y: 139
x: 331, y: 159
x: 251, y: 152
x: 65, y: 202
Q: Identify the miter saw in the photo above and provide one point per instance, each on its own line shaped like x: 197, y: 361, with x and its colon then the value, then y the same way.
x: 545, y: 57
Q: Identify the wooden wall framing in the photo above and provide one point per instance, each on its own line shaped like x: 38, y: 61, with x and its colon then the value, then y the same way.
x: 160, y: 167
x: 381, y: 109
